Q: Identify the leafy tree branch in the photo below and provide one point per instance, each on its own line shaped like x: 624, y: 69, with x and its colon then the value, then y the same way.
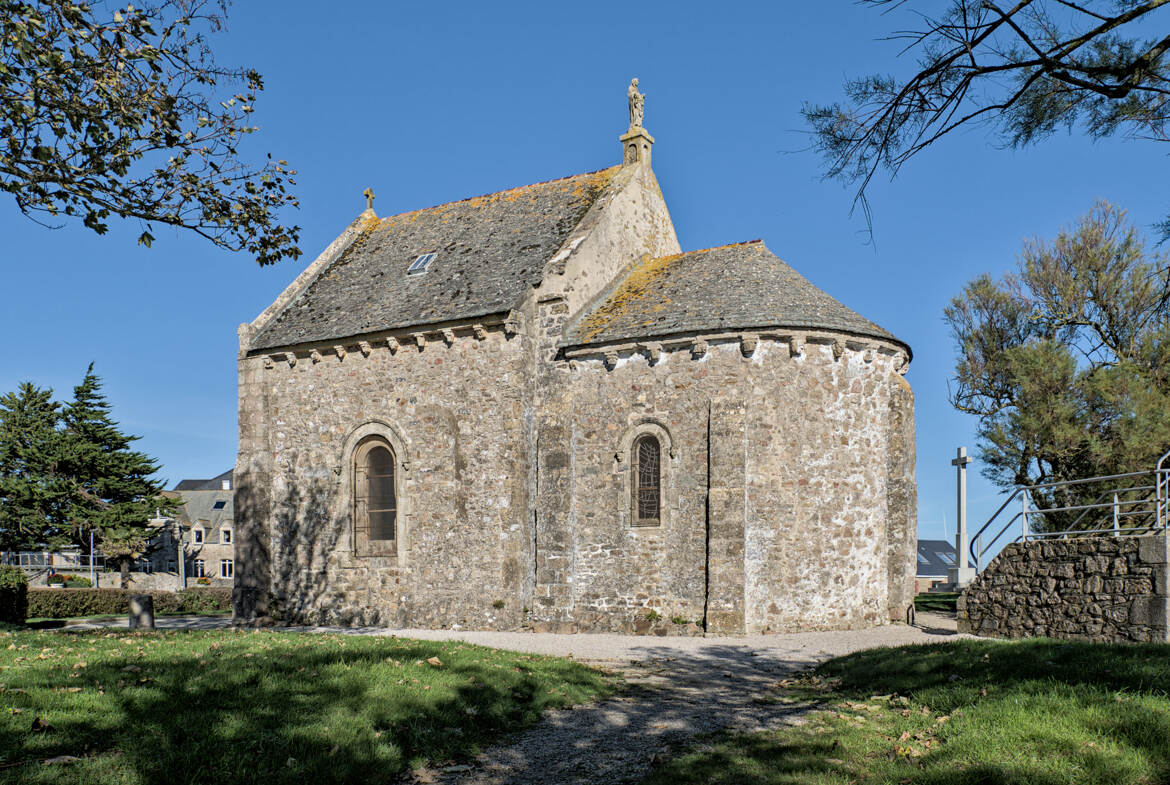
x: 126, y: 113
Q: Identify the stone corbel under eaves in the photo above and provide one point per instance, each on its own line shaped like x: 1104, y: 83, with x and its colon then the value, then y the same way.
x: 747, y: 344
x: 699, y: 346
x: 480, y: 331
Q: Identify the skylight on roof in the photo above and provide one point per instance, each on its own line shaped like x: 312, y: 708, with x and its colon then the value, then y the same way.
x: 219, y: 505
x: 419, y: 265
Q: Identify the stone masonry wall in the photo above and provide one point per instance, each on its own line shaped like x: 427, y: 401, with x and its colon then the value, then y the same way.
x: 776, y: 483
x: 455, y: 408
x: 772, y: 522
x: 1095, y: 589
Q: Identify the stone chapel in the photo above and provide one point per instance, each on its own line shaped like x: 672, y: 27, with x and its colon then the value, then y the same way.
x: 531, y: 409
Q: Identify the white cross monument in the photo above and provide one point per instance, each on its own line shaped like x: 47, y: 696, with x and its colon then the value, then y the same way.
x: 961, y: 574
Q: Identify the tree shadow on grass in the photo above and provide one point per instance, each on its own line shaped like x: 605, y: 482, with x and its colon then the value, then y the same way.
x: 308, y: 708
x: 1036, y: 712
x: 1138, y: 668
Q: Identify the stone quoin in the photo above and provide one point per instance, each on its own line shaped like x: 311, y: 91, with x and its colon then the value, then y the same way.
x: 531, y: 410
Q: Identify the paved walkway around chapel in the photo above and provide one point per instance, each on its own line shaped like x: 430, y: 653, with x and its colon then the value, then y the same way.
x: 679, y: 687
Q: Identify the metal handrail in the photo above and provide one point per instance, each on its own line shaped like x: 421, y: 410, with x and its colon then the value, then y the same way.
x: 1161, y: 501
x: 995, y: 514
x: 1083, y: 480
x: 1087, y: 532
x: 978, y: 558
x: 1085, y: 507
x: 1160, y: 480
x: 1103, y: 494
x: 1025, y: 488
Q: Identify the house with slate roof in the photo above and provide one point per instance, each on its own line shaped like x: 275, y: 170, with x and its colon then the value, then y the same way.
x: 208, y: 524
x: 935, y: 560
x: 205, y: 522
x: 531, y: 409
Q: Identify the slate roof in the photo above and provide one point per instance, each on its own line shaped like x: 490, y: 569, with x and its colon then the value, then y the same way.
x: 490, y: 250
x: 200, y: 506
x: 932, y: 558
x: 214, y: 484
x: 734, y: 287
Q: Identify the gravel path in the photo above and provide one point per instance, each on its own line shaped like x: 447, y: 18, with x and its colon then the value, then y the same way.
x: 680, y: 687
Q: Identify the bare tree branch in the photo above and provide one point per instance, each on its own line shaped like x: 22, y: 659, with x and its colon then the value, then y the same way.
x: 1090, y: 67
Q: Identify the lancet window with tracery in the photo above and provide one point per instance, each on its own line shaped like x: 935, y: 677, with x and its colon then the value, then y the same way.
x: 648, y: 480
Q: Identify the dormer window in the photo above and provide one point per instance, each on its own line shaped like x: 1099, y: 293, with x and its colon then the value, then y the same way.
x: 419, y: 266
x: 226, y: 536
x: 197, y: 536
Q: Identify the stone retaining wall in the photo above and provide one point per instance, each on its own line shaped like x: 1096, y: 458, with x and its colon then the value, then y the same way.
x: 1096, y: 589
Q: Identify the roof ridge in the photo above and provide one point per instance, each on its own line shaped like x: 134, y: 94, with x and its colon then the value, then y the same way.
x: 497, y: 193
x: 681, y: 254
x: 737, y: 286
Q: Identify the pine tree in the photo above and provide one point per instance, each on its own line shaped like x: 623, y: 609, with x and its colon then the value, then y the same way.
x: 34, y: 495
x: 114, y: 495
x: 1066, y: 364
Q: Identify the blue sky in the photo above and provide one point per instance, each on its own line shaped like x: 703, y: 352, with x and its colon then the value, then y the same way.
x: 427, y: 103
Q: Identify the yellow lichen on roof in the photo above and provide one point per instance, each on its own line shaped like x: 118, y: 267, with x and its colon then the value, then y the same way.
x: 369, y: 222
x: 580, y: 184
x: 637, y: 286
x: 640, y: 285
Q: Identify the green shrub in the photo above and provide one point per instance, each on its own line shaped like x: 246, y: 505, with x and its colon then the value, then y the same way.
x: 13, y: 595
x: 77, y: 582
x: 71, y: 603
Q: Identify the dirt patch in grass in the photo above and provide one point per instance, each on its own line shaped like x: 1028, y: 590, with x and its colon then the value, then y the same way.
x: 254, y: 707
x: 962, y: 713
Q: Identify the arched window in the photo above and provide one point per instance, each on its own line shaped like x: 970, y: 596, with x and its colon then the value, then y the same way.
x: 375, y: 498
x: 647, y: 483
x: 383, y: 500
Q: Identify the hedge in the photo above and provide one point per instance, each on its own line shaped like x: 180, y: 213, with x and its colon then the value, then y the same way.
x: 13, y: 595
x: 69, y: 603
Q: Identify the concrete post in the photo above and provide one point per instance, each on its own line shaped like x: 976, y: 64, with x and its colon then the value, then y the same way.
x: 962, y: 573
x: 181, y: 553
x: 141, y: 611
x: 1024, y: 532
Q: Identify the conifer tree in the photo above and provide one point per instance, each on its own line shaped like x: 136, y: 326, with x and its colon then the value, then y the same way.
x: 1066, y: 364
x: 113, y: 493
x: 34, y: 496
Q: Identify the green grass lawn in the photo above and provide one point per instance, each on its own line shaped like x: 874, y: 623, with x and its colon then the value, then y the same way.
x: 971, y: 712
x: 937, y: 602
x: 245, y: 707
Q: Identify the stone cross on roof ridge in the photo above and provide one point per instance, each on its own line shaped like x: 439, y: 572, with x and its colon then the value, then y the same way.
x: 369, y: 194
